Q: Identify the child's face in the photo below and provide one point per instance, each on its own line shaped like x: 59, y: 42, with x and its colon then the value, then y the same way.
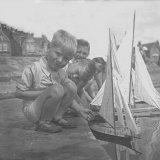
x: 77, y: 73
x: 82, y: 52
x: 99, y: 67
x: 58, y: 58
x: 73, y: 73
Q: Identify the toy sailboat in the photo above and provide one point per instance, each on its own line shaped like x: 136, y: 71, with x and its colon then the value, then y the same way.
x: 127, y: 80
x: 115, y: 97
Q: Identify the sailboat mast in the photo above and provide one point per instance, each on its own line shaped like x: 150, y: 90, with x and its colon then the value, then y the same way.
x: 114, y: 124
x: 130, y: 84
x: 110, y: 52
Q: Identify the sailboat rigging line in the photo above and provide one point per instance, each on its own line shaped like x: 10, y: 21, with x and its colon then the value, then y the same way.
x: 110, y: 125
x: 131, y: 57
x: 115, y: 40
x: 137, y: 151
x: 102, y: 124
x: 131, y: 84
x: 110, y: 52
x: 133, y: 94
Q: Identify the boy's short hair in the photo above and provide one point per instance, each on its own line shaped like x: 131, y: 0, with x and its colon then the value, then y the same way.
x: 88, y: 66
x: 99, y: 63
x: 82, y: 42
x: 99, y: 60
x: 63, y: 39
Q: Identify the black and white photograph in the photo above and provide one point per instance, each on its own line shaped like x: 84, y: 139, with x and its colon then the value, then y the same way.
x: 79, y: 80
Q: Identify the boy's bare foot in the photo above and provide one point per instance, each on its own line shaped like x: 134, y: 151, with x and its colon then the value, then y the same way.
x: 71, y: 113
x: 64, y: 124
x: 47, y: 127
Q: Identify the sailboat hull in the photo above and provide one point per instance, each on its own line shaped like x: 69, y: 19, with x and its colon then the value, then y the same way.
x: 124, y: 141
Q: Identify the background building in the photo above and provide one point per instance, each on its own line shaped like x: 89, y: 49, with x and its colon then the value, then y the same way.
x: 5, y: 46
x: 14, y: 42
x: 150, y: 51
x: 34, y: 46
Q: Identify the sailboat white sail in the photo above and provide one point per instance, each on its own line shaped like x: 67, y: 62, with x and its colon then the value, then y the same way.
x: 111, y: 97
x: 143, y: 86
x: 123, y: 55
x: 107, y: 110
x: 121, y: 81
x: 104, y: 98
x: 98, y: 98
x: 114, y: 97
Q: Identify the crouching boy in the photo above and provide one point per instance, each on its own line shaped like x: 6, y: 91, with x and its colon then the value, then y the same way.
x: 45, y: 89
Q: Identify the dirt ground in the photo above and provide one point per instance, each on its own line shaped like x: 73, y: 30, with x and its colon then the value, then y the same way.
x: 19, y: 141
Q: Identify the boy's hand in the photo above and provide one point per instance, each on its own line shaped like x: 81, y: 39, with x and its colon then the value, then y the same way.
x: 87, y: 114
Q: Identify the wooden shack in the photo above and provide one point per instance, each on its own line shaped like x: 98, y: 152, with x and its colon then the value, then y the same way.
x: 5, y: 46
x: 150, y: 50
x: 35, y: 46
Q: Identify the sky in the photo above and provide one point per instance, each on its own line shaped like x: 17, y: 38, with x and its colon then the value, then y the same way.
x: 85, y: 19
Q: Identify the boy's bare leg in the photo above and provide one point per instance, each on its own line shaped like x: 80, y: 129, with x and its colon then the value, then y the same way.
x: 48, y: 102
x: 45, y: 106
x: 69, y: 92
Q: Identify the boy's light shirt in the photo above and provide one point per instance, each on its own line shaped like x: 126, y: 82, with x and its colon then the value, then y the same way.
x: 38, y: 77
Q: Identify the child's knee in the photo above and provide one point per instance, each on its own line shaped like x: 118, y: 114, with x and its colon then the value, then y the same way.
x: 57, y: 91
x: 71, y: 87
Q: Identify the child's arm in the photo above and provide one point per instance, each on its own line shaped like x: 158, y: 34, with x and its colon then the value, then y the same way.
x: 77, y: 104
x: 80, y: 87
x: 88, y: 90
x: 98, y: 78
x: 20, y: 94
x: 89, y: 98
x: 25, y: 88
x: 71, y: 85
x: 27, y: 94
x: 86, y: 113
